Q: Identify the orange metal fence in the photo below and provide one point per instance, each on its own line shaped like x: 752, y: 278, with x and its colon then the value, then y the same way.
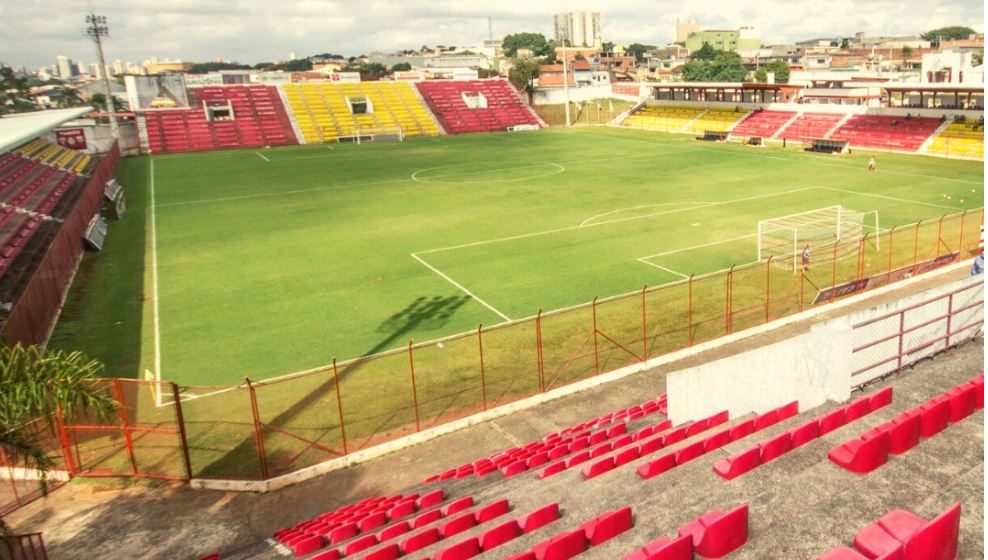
x: 263, y: 429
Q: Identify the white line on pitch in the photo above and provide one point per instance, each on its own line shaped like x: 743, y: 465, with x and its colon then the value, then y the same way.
x: 154, y: 283
x: 896, y: 199
x: 260, y: 155
x: 711, y: 244
x: 669, y: 270
x: 592, y: 218
x: 460, y: 286
x: 618, y: 220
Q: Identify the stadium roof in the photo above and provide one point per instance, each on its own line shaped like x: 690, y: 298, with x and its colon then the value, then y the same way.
x: 18, y: 128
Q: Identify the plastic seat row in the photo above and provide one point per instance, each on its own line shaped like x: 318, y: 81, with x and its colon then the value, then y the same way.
x: 870, y: 451
x: 731, y: 467
x: 553, y: 446
x: 606, y: 447
x: 714, y: 534
x: 654, y: 444
x: 762, y: 123
x: 903, y: 535
x: 591, y: 533
x: 432, y: 535
x: 737, y: 432
x: 504, y: 106
x: 500, y: 534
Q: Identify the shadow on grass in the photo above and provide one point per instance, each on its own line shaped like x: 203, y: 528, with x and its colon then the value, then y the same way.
x: 423, y: 313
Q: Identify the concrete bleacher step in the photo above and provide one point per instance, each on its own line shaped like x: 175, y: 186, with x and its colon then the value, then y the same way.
x: 839, y: 124
x: 925, y: 146
x: 786, y: 125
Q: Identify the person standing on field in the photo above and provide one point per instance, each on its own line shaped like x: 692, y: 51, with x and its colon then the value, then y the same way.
x: 871, y: 163
x: 806, y: 257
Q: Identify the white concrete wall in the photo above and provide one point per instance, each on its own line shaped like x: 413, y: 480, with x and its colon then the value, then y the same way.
x: 810, y: 368
x: 817, y: 366
x: 556, y: 95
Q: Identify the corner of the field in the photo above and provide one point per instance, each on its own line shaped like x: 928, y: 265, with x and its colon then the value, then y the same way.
x: 383, y: 449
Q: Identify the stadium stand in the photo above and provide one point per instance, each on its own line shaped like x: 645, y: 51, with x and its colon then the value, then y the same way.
x: 809, y: 125
x: 247, y: 116
x: 886, y: 132
x: 764, y: 124
x: 499, y: 107
x: 718, y: 120
x: 901, y: 534
x: 56, y: 156
x: 660, y: 117
x: 323, y: 110
x: 960, y: 139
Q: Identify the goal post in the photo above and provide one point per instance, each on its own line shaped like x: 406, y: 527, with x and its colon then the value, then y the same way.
x: 376, y: 134
x: 834, y: 227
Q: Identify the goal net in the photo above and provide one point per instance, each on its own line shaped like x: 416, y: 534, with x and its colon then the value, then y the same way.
x: 829, y: 231
x: 361, y: 135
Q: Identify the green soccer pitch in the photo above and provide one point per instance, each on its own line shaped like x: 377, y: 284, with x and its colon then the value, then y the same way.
x: 273, y: 261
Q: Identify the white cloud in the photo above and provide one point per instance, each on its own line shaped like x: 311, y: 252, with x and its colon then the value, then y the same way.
x: 34, y: 32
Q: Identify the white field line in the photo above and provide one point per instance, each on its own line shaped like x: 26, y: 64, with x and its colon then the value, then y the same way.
x: 592, y: 218
x: 154, y: 284
x: 279, y: 193
x: 896, y: 199
x: 608, y: 222
x: 260, y: 155
x: 431, y: 180
x: 711, y: 244
x: 460, y: 287
x: 669, y: 270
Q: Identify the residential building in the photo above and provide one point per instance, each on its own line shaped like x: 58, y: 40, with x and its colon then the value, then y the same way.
x: 66, y: 69
x: 950, y: 67
x: 578, y: 29
x: 684, y: 28
x: 745, y: 41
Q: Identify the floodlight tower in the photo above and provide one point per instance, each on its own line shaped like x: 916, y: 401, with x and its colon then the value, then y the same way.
x: 96, y: 29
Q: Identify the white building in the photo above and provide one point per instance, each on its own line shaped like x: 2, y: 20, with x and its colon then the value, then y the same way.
x: 950, y: 68
x: 578, y: 29
x: 118, y: 67
x: 65, y: 67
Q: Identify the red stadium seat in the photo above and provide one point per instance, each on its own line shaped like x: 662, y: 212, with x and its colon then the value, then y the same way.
x: 919, y: 539
x: 736, y: 465
x: 856, y: 409
x: 461, y: 550
x: 862, y: 455
x: 904, y: 432
x: 372, y: 521
x: 935, y: 416
x: 844, y: 553
x: 881, y: 398
x: 679, y: 548
x: 418, y: 541
x: 308, y: 545
x: 424, y: 519
x: 333, y: 554
x: 430, y: 499
x: 389, y: 552
x: 765, y: 420
x: 674, y: 436
x: 690, y: 452
x: 607, y: 526
x: 696, y: 427
x: 743, y: 430
x: 598, y: 468
x: 496, y: 536
x: 716, y: 534
x: 716, y: 441
x: 392, y: 531
x: 833, y: 420
x: 363, y: 543
x: 805, y: 432
x: 775, y: 447
x: 491, y: 511
x: 457, y: 506
x: 539, y: 518
x: 562, y: 546
x: 458, y: 525
x: 658, y: 466
x: 962, y: 400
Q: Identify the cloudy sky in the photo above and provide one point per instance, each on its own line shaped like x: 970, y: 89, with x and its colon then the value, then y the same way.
x: 33, y: 32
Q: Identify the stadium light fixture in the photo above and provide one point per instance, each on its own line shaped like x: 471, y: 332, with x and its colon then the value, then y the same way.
x: 96, y: 29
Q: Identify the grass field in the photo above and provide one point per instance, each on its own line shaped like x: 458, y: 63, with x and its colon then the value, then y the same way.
x: 275, y: 261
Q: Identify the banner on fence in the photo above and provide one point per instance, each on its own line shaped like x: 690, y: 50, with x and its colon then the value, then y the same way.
x: 860, y: 285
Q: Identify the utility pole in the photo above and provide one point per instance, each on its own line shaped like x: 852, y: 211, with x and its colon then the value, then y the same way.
x: 565, y: 84
x: 96, y: 29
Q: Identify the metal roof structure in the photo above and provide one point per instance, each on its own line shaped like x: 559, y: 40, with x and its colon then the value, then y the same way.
x: 19, y: 128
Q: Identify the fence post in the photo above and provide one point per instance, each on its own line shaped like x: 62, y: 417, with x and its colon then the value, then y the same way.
x: 124, y: 425
x: 729, y: 304
x: 182, y: 437
x: 902, y: 335
x: 950, y: 316
x: 538, y: 351
x: 339, y: 405
x: 861, y: 246
x: 960, y: 240
x: 689, y: 312
x: 596, y: 353
x: 63, y: 435
x: 888, y: 273
x: 644, y: 328
x: 802, y: 285
x: 415, y: 396
x: 916, y: 243
x: 768, y: 286
x: 258, y: 435
x: 833, y: 275
x: 939, y: 235
x: 483, y: 380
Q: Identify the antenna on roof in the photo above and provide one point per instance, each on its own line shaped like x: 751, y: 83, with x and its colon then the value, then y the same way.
x: 490, y: 28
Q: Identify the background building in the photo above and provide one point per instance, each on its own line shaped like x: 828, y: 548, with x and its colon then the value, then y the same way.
x: 684, y: 28
x: 65, y: 67
x: 578, y: 29
x: 745, y: 41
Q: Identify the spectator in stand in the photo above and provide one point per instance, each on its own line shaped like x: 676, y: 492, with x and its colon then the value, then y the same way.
x: 806, y: 258
x: 979, y: 263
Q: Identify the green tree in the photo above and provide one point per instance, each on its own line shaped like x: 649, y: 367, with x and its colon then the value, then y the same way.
x: 33, y: 388
x: 607, y: 46
x: 401, y: 67
x: 523, y: 72
x: 949, y: 32
x: 98, y: 101
x: 978, y: 58
x: 779, y: 67
x: 207, y: 67
x: 639, y: 50
x: 15, y: 91
x: 67, y: 97
x: 300, y: 65
x: 706, y: 52
x: 534, y: 41
x: 725, y: 67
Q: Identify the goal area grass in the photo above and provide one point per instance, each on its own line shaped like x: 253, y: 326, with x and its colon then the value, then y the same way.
x: 267, y: 262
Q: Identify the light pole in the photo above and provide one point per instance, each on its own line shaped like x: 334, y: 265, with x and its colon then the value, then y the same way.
x: 96, y: 29
x: 565, y: 84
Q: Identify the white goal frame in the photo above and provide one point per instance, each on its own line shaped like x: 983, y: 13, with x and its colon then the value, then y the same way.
x: 837, y: 214
x: 361, y: 135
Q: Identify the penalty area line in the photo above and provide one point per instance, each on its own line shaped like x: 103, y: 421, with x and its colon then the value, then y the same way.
x: 669, y: 270
x: 260, y: 155
x: 460, y: 287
